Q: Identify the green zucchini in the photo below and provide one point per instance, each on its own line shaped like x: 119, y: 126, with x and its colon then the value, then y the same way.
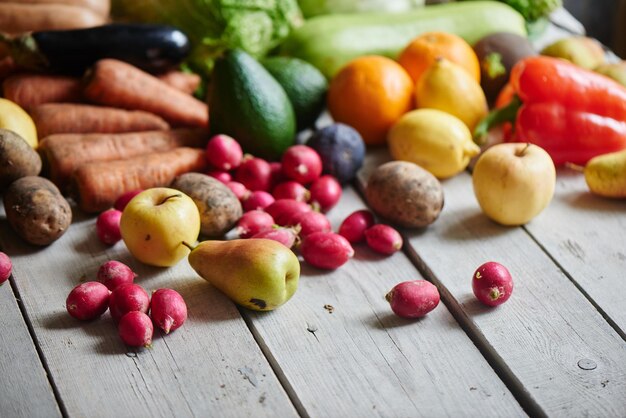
x: 330, y: 41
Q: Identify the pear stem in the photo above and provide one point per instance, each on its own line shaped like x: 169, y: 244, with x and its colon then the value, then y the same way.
x: 186, y: 244
x: 575, y: 167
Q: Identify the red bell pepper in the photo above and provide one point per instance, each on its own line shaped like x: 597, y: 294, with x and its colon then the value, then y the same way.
x: 572, y: 113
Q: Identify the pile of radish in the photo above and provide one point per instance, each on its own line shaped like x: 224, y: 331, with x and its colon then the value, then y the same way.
x: 130, y: 306
x: 284, y: 200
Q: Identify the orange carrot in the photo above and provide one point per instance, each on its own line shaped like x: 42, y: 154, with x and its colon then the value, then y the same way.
x: 115, y: 83
x: 29, y: 90
x: 187, y: 82
x: 64, y: 153
x: 96, y: 186
x: 18, y: 17
x: 60, y: 118
x: 102, y: 7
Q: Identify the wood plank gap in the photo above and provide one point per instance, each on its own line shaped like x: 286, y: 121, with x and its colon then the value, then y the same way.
x: 274, y: 365
x: 33, y: 336
x: 580, y: 288
x: 496, y: 362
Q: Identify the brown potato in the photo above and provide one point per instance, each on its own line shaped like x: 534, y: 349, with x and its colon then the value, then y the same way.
x: 219, y: 207
x: 36, y: 210
x: 405, y: 194
x: 17, y: 158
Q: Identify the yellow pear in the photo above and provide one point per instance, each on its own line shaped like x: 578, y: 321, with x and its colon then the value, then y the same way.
x: 449, y: 87
x: 606, y: 174
x: 259, y: 274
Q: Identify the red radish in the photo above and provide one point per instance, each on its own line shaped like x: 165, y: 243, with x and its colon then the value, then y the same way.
x: 354, y: 226
x: 223, y: 176
x: 383, y: 239
x: 326, y: 250
x: 253, y: 222
x: 254, y: 173
x: 284, y: 235
x: 238, y: 189
x: 168, y: 309
x: 259, y: 199
x: 223, y: 152
x: 127, y: 298
x: 136, y: 329
x: 301, y: 163
x: 413, y: 299
x: 325, y: 192
x: 291, y: 189
x: 285, y: 210
x: 88, y: 301
x: 492, y: 284
x: 122, y: 201
x: 276, y: 174
x: 5, y: 267
x: 114, y: 273
x: 108, y: 226
x: 311, y: 222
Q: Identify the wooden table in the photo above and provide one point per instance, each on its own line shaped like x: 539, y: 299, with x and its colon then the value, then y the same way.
x: 557, y: 348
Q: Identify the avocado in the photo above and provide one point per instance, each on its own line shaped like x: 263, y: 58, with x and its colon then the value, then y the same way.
x: 247, y: 103
x: 341, y: 149
x: 304, y: 84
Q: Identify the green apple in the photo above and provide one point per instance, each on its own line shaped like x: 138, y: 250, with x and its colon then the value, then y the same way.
x: 156, y: 222
x: 514, y: 182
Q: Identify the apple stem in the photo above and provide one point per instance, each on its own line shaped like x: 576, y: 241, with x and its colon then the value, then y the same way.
x: 169, y: 197
x: 186, y: 244
x: 523, y: 150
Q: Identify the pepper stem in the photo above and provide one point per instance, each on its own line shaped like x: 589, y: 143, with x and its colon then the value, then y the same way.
x: 496, y: 117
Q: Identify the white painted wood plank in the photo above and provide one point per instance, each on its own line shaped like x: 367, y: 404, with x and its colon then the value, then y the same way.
x: 361, y: 360
x: 26, y: 391
x: 586, y: 234
x: 211, y: 366
x: 548, y: 334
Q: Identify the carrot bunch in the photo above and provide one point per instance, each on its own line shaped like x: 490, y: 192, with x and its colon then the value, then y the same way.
x: 116, y: 129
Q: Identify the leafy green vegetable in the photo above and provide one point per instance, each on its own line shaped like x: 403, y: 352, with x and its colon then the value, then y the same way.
x: 534, y: 9
x: 319, y: 7
x: 213, y: 26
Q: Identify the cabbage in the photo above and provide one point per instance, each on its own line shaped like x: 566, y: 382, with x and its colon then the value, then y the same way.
x: 213, y: 26
x: 312, y: 8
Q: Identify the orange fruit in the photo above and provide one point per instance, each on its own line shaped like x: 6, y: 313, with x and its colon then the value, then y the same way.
x: 422, y: 52
x: 370, y: 93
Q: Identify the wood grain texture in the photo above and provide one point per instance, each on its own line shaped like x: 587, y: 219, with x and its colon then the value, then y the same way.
x: 343, y: 353
x: 586, y: 234
x: 26, y: 391
x: 211, y: 366
x: 548, y: 340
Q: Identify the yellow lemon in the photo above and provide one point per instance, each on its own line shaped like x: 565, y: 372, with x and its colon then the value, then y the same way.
x: 447, y: 86
x: 14, y: 118
x: 435, y: 140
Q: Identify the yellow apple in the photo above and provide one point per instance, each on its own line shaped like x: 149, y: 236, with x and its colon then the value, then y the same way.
x: 514, y: 182
x: 156, y: 222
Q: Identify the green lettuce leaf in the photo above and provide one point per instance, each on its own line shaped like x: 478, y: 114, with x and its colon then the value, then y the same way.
x: 213, y: 26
